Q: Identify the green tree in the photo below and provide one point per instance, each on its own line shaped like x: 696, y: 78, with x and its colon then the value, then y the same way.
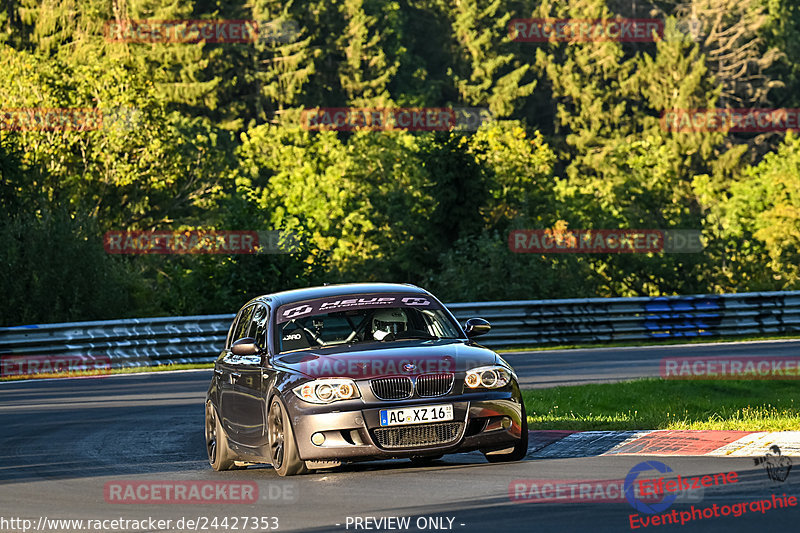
x: 138, y: 165
x: 487, y: 66
x: 55, y: 269
x: 756, y: 220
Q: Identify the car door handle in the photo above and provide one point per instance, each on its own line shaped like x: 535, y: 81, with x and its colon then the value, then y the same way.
x: 217, y: 371
x: 236, y: 374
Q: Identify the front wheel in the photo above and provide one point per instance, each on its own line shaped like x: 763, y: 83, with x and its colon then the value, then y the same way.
x: 283, y: 449
x: 520, y: 449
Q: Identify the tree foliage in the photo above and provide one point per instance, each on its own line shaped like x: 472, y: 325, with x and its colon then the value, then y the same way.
x: 208, y: 135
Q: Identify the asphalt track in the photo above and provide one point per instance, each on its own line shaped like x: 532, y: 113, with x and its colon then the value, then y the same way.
x: 63, y: 441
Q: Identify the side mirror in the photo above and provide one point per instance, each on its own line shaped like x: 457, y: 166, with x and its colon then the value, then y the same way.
x: 476, y: 326
x: 245, y: 346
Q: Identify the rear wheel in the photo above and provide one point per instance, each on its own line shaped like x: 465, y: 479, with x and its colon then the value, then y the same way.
x: 283, y: 449
x: 219, y: 455
x: 520, y: 449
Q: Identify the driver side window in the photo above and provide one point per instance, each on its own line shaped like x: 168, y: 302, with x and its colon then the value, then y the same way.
x: 243, y: 325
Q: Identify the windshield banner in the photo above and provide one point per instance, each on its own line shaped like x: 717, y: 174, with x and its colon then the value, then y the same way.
x: 348, y: 302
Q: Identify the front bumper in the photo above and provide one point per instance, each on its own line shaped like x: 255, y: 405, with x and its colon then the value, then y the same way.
x: 486, y: 422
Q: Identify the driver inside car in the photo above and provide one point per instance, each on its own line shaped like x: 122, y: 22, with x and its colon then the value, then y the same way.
x: 388, y: 322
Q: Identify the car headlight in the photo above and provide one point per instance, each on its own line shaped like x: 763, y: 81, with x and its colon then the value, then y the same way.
x: 327, y: 390
x: 488, y: 377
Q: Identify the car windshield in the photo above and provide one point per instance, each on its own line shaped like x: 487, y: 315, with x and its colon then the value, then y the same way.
x: 307, y: 325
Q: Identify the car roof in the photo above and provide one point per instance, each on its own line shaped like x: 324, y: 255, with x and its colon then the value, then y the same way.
x: 342, y: 289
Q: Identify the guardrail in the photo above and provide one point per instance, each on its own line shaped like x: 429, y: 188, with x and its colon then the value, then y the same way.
x: 198, y: 339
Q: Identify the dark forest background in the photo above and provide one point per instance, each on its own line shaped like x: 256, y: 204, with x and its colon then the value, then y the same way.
x: 208, y: 136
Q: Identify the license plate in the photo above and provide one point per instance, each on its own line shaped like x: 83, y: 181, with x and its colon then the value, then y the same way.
x: 416, y: 415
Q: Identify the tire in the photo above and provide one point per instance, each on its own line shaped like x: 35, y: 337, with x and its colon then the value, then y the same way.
x: 282, y: 446
x: 520, y: 448
x: 220, y: 456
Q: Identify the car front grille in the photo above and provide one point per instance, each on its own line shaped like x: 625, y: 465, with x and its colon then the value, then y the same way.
x: 419, y: 435
x: 391, y: 388
x: 431, y: 385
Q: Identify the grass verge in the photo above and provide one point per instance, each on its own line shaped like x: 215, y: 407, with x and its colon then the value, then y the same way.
x: 745, y: 405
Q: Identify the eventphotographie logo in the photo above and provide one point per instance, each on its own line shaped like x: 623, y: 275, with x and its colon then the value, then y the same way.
x: 657, y: 514
x: 635, y: 501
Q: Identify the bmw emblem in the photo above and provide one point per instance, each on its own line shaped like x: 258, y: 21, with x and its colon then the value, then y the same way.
x: 409, y: 367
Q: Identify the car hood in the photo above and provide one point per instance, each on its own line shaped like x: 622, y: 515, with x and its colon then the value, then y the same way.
x: 388, y: 359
